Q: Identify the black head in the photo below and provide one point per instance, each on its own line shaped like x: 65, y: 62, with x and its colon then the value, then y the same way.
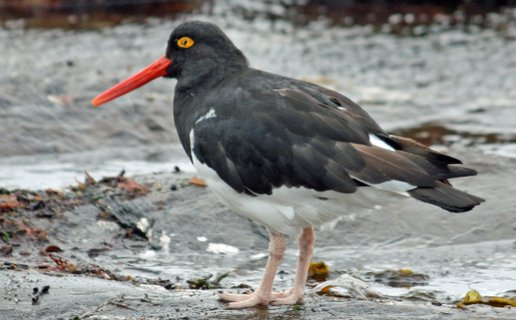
x: 198, y: 49
x: 198, y: 53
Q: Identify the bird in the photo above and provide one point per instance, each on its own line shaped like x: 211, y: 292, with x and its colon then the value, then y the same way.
x: 288, y: 154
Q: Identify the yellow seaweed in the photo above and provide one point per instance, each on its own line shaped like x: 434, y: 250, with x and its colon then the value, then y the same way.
x: 474, y: 297
x: 318, y: 271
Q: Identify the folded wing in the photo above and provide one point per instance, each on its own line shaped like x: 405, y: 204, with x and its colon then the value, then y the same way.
x: 317, y: 139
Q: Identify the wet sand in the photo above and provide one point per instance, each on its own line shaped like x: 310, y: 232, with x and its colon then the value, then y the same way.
x: 111, y: 300
x: 115, y: 266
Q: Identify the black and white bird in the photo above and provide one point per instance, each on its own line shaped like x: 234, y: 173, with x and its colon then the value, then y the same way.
x: 286, y: 153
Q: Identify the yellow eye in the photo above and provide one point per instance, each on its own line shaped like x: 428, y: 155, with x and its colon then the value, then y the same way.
x: 185, y: 42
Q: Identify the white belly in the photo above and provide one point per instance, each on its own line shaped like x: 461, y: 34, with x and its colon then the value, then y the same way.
x: 293, y: 208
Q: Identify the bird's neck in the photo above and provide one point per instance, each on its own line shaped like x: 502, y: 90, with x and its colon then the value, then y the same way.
x: 207, y: 78
x: 190, y: 94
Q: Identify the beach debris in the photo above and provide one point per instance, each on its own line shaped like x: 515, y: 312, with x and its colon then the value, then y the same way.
x: 129, y: 187
x: 401, y: 278
x: 222, y: 248
x: 88, y: 179
x: 242, y: 286
x: 19, y: 210
x: 297, y: 307
x: 63, y: 265
x: 129, y: 215
x: 94, y: 252
x: 6, y: 250
x: 474, y: 297
x: 37, y: 293
x: 421, y: 295
x: 61, y: 100
x: 318, y: 271
x: 118, y: 302
x: 198, y: 182
x: 53, y: 248
x: 132, y: 187
x: 89, y: 269
x: 165, y: 283
x: 7, y: 265
x: 346, y: 286
x: 32, y: 232
x: 5, y: 235
x: 9, y: 202
x: 205, y: 282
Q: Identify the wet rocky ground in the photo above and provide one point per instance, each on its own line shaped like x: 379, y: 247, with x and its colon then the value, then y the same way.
x: 160, y: 247
x: 143, y: 244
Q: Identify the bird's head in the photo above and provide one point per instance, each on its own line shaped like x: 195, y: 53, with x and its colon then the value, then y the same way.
x: 195, y: 50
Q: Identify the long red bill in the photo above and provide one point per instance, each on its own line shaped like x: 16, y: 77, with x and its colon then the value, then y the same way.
x: 156, y: 69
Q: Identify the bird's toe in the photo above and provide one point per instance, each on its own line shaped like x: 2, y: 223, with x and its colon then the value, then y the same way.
x: 252, y: 301
x: 281, y: 294
x: 292, y: 298
x: 232, y: 297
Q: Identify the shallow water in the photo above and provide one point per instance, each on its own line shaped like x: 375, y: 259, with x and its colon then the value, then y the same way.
x: 489, y: 268
x: 60, y: 171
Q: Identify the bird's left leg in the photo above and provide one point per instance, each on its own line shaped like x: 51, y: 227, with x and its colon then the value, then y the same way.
x: 262, y: 295
x: 306, y: 245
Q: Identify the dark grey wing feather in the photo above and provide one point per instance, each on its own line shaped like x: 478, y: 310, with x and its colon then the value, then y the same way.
x: 297, y: 142
x: 317, y: 139
x: 412, y: 146
x: 446, y: 197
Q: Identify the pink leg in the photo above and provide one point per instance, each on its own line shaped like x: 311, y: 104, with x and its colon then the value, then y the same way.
x: 306, y: 246
x: 263, y: 295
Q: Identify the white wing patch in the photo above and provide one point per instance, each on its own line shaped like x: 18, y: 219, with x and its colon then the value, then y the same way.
x: 191, y: 134
x: 377, y: 142
x: 394, y: 186
x: 208, y: 115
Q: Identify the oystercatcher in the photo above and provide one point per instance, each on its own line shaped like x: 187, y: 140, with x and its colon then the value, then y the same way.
x: 287, y: 153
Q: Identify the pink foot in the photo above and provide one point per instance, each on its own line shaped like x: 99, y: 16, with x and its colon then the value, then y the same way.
x: 235, y: 297
x: 246, y: 300
x: 232, y: 297
x: 294, y: 297
x: 263, y: 295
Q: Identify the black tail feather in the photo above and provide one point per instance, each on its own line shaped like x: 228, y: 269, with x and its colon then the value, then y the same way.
x: 446, y: 197
x: 457, y: 171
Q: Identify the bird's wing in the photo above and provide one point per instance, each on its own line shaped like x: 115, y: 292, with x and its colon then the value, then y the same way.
x: 313, y: 138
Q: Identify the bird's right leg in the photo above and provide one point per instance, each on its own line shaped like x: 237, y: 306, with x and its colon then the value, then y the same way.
x: 263, y: 295
x: 296, y: 293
